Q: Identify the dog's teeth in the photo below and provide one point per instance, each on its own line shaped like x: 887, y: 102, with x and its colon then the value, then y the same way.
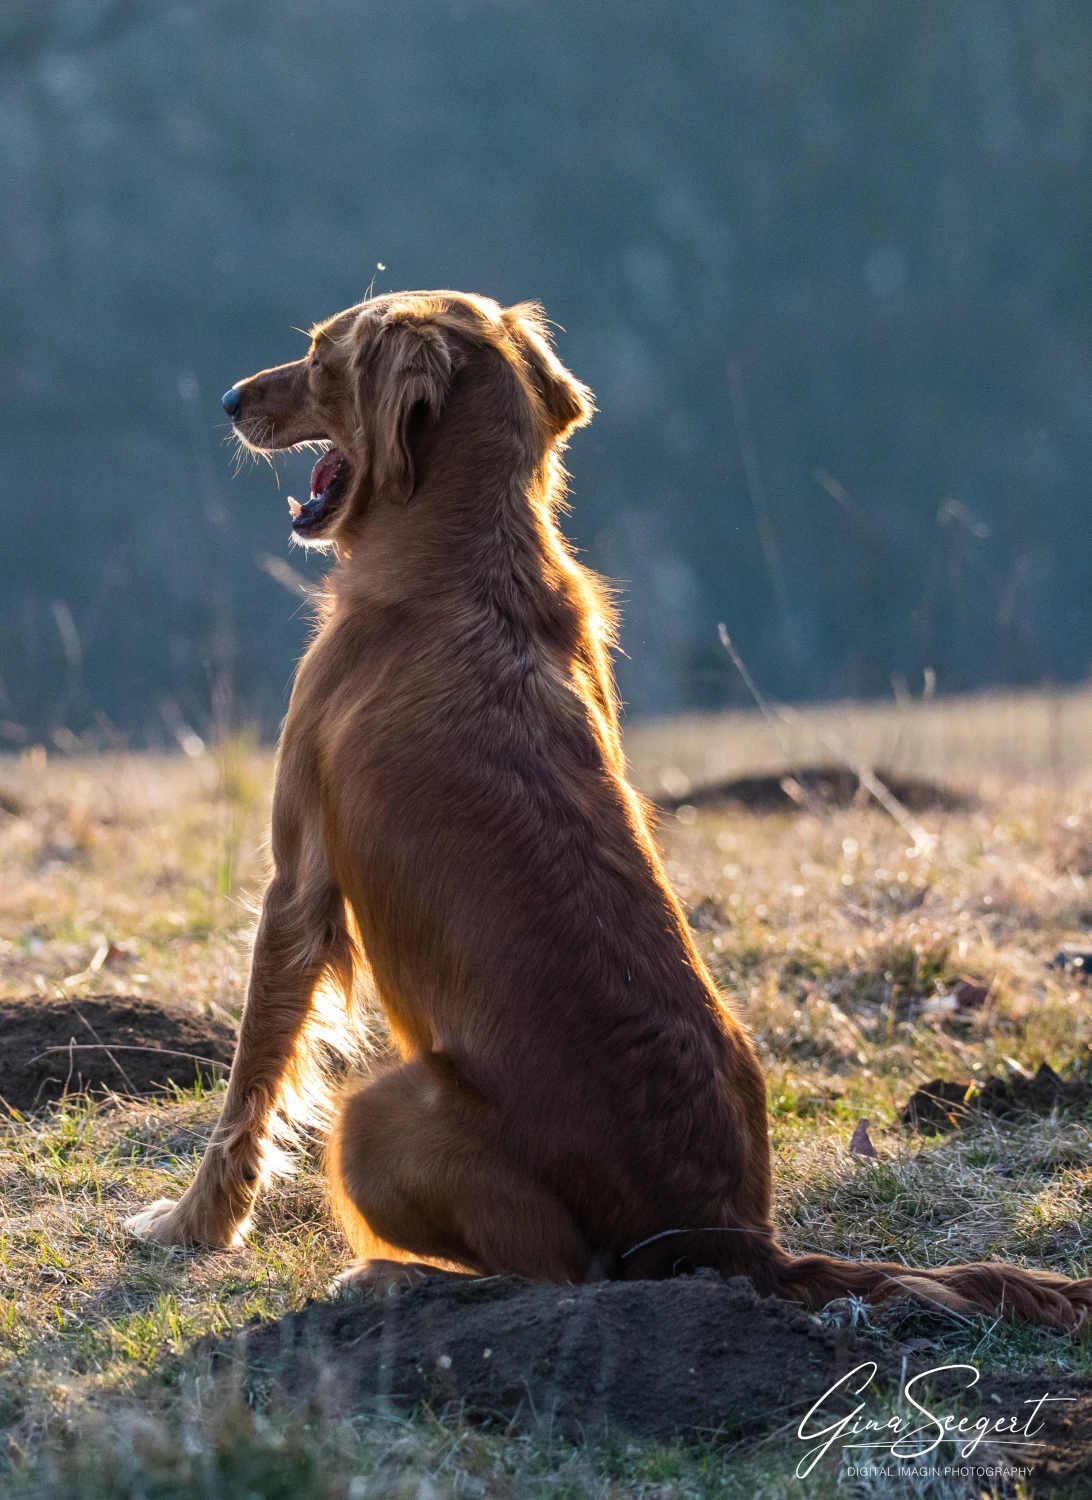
x: 294, y: 507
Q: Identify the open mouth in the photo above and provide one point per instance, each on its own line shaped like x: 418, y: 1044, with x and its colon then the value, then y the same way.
x: 328, y: 481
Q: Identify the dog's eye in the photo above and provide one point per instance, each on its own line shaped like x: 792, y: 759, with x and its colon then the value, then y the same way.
x: 316, y: 364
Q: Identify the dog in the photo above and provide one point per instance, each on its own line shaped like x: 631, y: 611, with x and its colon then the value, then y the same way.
x: 574, y: 1099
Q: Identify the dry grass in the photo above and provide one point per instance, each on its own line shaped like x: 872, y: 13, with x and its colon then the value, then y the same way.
x: 1030, y: 736
x: 832, y: 937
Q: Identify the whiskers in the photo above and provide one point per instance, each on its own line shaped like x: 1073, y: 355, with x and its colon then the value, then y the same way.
x: 260, y: 443
x: 251, y: 447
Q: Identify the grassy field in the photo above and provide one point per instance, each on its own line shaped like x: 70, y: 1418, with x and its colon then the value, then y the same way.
x: 836, y: 939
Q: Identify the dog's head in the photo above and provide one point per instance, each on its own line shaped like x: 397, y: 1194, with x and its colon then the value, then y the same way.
x: 374, y: 386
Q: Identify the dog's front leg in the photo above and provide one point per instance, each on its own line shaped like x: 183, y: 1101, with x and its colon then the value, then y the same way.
x: 301, y: 937
x: 288, y: 963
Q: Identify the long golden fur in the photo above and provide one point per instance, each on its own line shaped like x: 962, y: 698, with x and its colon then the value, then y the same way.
x: 574, y: 1100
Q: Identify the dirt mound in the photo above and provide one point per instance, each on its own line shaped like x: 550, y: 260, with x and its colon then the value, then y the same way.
x: 697, y: 1356
x: 1062, y: 1463
x: 697, y: 1359
x: 833, y: 786
x: 946, y: 1104
x: 49, y: 1048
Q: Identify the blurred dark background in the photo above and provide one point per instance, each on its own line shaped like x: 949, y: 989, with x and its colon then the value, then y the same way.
x: 825, y: 264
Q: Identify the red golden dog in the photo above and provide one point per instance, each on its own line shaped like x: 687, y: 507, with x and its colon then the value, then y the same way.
x: 574, y: 1099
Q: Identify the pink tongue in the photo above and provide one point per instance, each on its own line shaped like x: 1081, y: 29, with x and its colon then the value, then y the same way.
x: 324, y: 471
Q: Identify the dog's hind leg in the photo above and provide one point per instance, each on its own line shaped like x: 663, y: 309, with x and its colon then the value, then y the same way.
x: 417, y: 1170
x: 302, y: 940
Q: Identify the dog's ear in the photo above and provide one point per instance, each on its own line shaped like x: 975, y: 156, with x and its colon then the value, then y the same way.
x: 410, y: 375
x: 566, y: 402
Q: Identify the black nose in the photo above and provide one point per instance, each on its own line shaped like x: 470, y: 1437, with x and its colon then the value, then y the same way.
x: 232, y: 401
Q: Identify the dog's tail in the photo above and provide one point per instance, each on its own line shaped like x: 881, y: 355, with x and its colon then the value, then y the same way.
x: 995, y: 1289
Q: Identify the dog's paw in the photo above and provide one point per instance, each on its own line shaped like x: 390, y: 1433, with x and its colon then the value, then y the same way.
x: 171, y: 1226
x: 153, y: 1223
x: 383, y: 1278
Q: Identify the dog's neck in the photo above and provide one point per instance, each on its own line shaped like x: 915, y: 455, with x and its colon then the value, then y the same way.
x: 479, y: 530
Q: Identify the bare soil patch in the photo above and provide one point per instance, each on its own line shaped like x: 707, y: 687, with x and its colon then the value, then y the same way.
x: 100, y: 1043
x: 697, y: 1356
x: 947, y: 1104
x: 834, y: 786
x: 697, y: 1359
x: 1062, y: 1465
